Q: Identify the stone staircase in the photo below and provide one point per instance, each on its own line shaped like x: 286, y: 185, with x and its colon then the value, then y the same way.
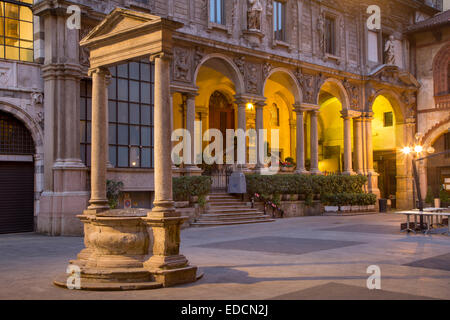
x: 224, y: 209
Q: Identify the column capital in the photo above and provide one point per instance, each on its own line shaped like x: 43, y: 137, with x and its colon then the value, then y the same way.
x: 167, y: 56
x: 102, y: 71
x: 254, y: 99
x: 349, y: 114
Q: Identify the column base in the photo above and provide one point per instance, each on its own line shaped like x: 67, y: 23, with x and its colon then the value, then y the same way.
x: 349, y: 173
x: 302, y: 171
x: 316, y: 172
x: 191, y: 170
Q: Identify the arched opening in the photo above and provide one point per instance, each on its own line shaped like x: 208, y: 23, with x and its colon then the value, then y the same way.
x: 384, y: 146
x: 16, y: 175
x: 281, y: 92
x: 221, y: 113
x: 332, y: 102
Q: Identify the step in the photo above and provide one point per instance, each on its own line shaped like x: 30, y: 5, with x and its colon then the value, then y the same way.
x: 226, y: 215
x: 224, y: 199
x: 227, y: 203
x: 234, y: 219
x: 232, y: 210
x: 219, y: 224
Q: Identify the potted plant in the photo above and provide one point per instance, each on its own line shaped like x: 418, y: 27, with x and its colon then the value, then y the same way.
x: 330, y: 202
x: 287, y: 165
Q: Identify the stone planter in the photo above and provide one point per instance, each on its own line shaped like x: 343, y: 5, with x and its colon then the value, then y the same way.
x: 371, y: 207
x: 345, y: 208
x: 331, y: 208
x: 287, y: 169
x: 356, y: 208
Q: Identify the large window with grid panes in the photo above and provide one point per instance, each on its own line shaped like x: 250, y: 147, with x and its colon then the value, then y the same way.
x: 130, y: 112
x: 16, y: 30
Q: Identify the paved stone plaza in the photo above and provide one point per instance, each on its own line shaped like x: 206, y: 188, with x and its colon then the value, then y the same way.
x: 299, y: 258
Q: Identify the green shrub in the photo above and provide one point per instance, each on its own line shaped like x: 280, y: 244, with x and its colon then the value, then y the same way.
x: 113, y: 192
x: 185, y: 187
x: 349, y: 199
x: 443, y: 195
x: 304, y: 184
x: 430, y: 196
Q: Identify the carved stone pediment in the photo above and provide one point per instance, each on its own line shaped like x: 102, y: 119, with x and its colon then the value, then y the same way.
x: 393, y: 75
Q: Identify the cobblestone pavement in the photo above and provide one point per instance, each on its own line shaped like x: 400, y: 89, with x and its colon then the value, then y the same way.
x: 300, y: 258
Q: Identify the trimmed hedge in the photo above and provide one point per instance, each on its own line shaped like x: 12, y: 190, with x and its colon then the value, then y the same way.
x: 306, y: 185
x: 185, y: 187
x: 349, y: 199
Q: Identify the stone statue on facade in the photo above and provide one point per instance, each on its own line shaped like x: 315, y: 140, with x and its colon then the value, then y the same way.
x: 321, y: 32
x: 389, y: 50
x: 254, y: 15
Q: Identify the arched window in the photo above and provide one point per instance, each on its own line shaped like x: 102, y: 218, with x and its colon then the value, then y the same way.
x: 15, y: 138
x: 441, y: 72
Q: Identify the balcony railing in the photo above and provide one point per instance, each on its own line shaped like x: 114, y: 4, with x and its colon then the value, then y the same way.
x: 442, y: 102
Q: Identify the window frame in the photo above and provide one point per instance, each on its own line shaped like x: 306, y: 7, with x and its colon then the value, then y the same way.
x: 386, y: 123
x: 214, y: 20
x: 114, y: 122
x: 333, y: 36
x: 276, y: 5
x: 4, y: 38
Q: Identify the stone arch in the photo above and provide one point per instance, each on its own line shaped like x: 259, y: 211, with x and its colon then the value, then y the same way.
x: 223, y: 88
x: 440, y: 71
x: 226, y: 66
x: 38, y: 138
x: 435, y: 132
x: 29, y: 122
x: 286, y: 78
x: 395, y: 100
x: 337, y: 89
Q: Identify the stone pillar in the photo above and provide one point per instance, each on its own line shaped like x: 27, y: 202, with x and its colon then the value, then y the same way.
x: 64, y: 193
x: 191, y: 168
x: 358, y: 145
x: 369, y: 146
x: 300, y: 140
x: 99, y: 153
x: 372, y: 186
x: 314, y: 143
x: 348, y: 169
x: 242, y: 124
x: 259, y: 125
x: 293, y: 136
x: 167, y: 265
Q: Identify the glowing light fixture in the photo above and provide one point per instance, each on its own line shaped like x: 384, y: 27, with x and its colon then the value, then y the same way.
x: 418, y: 149
x: 250, y: 106
x: 406, y: 150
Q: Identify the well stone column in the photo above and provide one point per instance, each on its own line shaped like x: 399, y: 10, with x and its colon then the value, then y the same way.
x: 348, y: 168
x: 167, y: 265
x: 300, y: 139
x: 99, y: 149
x: 314, y: 142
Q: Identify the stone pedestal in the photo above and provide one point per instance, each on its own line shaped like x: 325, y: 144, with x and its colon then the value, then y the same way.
x: 117, y: 244
x: 167, y: 265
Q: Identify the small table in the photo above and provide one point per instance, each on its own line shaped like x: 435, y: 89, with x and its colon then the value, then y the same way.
x: 428, y: 215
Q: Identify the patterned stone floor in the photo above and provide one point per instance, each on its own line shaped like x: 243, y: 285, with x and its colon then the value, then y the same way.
x: 300, y: 258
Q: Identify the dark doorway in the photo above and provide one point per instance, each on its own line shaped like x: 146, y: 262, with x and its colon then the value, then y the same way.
x: 221, y: 114
x: 16, y: 176
x: 385, y: 165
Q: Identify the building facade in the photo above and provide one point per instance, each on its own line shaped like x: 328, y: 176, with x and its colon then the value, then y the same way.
x: 345, y: 97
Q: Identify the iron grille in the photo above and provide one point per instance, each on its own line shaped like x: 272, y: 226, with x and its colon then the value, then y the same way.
x: 14, y: 136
